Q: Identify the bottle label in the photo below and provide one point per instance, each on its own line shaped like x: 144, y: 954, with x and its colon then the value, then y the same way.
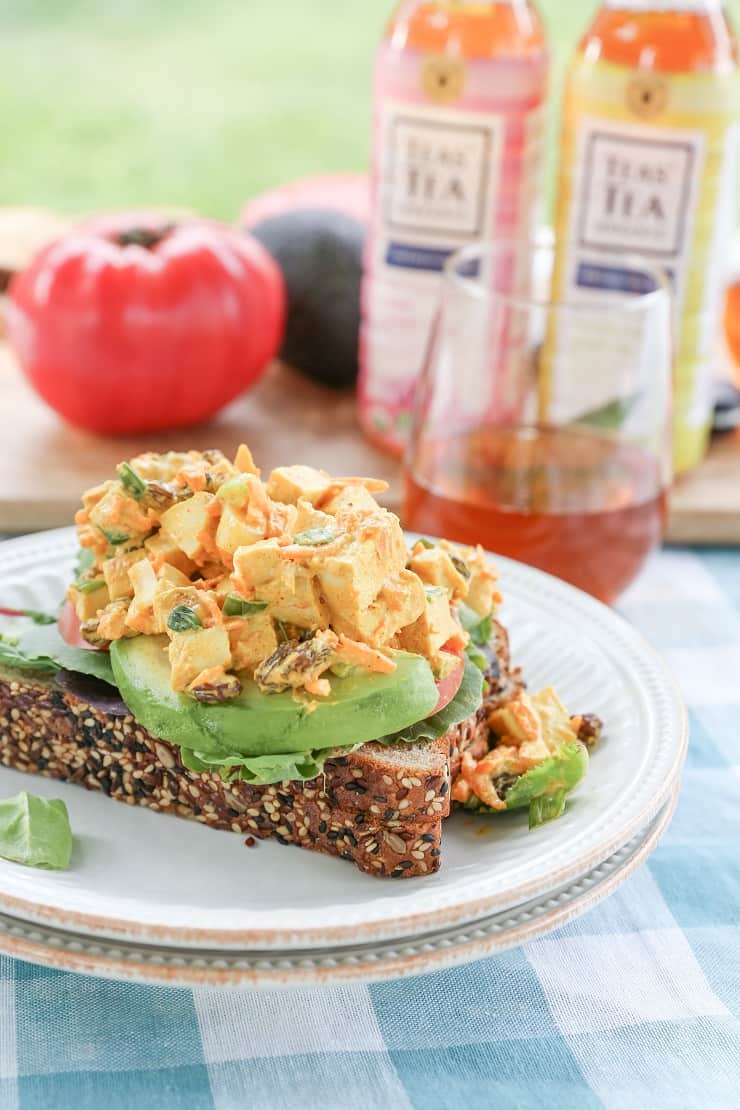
x: 637, y: 193
x: 648, y: 168
x: 438, y: 181
x: 439, y: 176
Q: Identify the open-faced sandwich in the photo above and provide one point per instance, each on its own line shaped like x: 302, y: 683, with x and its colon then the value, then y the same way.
x: 271, y: 657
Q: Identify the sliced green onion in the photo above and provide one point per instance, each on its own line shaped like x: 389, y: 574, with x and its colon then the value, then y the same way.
x: 236, y: 489
x: 461, y: 567
x: 315, y: 537
x: 183, y: 619
x: 132, y: 482
x: 424, y: 542
x: 85, y: 559
x: 435, y: 591
x: 89, y: 585
x: 236, y: 606
x: 114, y: 537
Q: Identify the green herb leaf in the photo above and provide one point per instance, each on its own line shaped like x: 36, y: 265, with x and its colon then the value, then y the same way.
x: 89, y: 585
x: 480, y: 629
x: 115, y: 538
x: 237, y: 606
x: 315, y: 537
x: 35, y: 831
x: 183, y: 619
x: 435, y: 591
x: 34, y: 615
x: 424, y: 542
x: 461, y: 567
x: 477, y: 657
x: 41, y: 648
x: 132, y: 482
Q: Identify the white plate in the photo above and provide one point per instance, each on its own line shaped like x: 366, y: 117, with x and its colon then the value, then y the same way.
x: 389, y: 959
x: 139, y: 875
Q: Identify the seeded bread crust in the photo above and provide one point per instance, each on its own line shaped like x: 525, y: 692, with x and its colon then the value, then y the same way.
x: 380, y: 807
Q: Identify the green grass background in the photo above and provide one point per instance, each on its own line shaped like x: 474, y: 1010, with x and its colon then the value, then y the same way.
x: 200, y: 103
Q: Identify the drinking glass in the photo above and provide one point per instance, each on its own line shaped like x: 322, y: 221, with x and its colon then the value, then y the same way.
x: 542, y: 426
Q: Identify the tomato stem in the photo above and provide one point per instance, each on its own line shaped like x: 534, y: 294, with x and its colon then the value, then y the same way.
x: 147, y: 237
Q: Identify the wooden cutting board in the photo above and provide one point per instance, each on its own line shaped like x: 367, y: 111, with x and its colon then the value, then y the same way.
x: 44, y: 465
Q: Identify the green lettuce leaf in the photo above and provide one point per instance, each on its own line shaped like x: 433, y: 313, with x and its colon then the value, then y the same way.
x: 35, y: 831
x: 33, y: 647
x: 480, y: 629
x: 466, y: 701
x: 547, y: 808
x: 544, y: 788
x: 264, y: 769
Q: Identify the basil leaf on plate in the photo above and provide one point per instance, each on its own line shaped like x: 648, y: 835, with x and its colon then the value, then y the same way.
x: 35, y: 831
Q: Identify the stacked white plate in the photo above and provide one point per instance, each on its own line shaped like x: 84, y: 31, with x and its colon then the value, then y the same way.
x: 157, y: 899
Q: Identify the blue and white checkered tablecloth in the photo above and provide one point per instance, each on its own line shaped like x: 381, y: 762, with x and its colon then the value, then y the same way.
x: 636, y: 1005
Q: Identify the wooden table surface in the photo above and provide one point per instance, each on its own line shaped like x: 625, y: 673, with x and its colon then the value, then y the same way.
x: 44, y: 465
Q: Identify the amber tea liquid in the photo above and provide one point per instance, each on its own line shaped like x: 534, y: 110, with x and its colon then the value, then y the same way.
x: 570, y: 502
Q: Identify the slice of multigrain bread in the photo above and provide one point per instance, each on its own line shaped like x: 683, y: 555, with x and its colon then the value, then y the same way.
x: 381, y: 807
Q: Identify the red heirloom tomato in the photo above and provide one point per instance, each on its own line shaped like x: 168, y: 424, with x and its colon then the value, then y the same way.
x: 131, y: 325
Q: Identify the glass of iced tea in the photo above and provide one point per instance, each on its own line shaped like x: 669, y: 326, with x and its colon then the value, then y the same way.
x: 542, y: 427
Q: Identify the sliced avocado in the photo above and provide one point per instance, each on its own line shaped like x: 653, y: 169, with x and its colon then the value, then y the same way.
x: 361, y: 706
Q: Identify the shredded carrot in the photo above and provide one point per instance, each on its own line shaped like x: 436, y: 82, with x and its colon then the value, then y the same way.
x: 208, y: 543
x: 207, y: 676
x: 244, y: 462
x: 475, y: 778
x: 319, y: 686
x: 193, y: 475
x: 361, y: 655
x: 461, y: 790
x: 235, y: 624
x: 213, y: 609
x: 240, y: 585
x: 140, y: 620
x: 372, y: 485
x: 226, y: 558
x: 208, y: 583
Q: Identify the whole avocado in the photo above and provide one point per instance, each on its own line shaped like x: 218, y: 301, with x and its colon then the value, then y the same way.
x: 320, y: 254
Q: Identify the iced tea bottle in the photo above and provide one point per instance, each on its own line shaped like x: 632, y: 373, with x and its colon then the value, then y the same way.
x: 648, y: 148
x: 458, y: 144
